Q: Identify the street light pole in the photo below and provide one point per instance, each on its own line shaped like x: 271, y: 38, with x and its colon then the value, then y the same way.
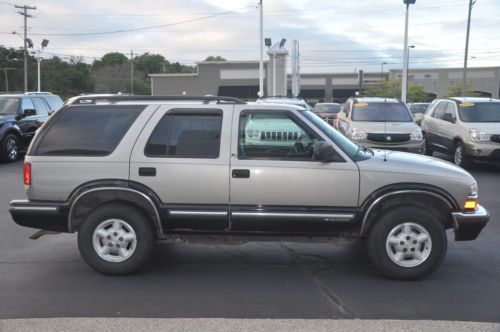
x: 38, y: 59
x: 464, y: 80
x: 261, y: 45
x: 382, y: 71
x: 408, y: 66
x: 404, y: 77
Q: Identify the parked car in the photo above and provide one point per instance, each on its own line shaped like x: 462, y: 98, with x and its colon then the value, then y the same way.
x: 138, y: 169
x: 418, y: 111
x: 20, y: 116
x: 54, y: 101
x: 468, y: 128
x: 286, y: 100
x: 383, y: 123
x: 327, y: 111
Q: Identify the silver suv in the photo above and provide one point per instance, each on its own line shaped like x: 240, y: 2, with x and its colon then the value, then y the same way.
x: 383, y: 123
x: 125, y: 171
x: 469, y: 128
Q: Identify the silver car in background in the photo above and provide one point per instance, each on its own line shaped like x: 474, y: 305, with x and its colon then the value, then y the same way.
x: 383, y: 123
x: 468, y: 128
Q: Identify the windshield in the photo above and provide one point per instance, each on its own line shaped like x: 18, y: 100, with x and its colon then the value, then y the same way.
x: 9, y: 106
x: 479, y: 112
x: 418, y: 108
x: 380, y: 112
x: 343, y: 142
x: 327, y: 108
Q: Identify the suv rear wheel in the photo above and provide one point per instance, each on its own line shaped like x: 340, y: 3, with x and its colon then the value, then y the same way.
x: 460, y: 156
x: 9, y: 148
x: 116, y: 239
x: 407, y: 243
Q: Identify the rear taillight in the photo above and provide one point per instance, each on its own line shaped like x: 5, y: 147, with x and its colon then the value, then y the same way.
x: 27, y: 174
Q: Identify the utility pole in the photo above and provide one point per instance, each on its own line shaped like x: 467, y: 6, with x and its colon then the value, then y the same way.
x: 261, y: 45
x: 295, y: 69
x: 131, y: 72
x: 404, y: 77
x: 464, y: 80
x: 6, y: 76
x: 24, y: 12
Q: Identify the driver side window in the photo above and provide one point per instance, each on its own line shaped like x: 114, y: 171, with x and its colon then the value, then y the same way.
x: 274, y: 136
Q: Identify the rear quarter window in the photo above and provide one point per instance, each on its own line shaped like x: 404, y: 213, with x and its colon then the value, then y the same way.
x: 86, y: 130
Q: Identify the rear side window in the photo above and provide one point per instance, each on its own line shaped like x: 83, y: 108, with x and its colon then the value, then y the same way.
x: 186, y: 134
x: 87, y: 130
x: 55, y: 102
x: 40, y: 106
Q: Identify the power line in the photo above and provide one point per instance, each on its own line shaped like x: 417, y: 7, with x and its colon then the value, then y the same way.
x: 143, y: 28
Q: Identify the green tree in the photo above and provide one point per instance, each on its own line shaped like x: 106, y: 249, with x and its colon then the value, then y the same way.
x: 392, y: 89
x: 111, y: 59
x: 215, y: 58
x: 455, y: 90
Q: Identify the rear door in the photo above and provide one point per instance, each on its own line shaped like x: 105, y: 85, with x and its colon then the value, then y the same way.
x: 182, y: 155
x: 276, y: 186
x: 433, y: 124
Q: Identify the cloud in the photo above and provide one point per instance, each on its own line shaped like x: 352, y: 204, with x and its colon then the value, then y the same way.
x: 334, y: 35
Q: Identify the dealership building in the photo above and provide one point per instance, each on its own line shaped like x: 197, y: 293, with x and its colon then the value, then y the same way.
x: 241, y: 79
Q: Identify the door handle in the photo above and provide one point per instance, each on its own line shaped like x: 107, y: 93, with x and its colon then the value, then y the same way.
x: 241, y: 173
x: 147, y: 171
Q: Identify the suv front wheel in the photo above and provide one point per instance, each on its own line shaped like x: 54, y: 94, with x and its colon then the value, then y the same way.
x: 407, y: 243
x: 116, y: 239
x: 460, y: 156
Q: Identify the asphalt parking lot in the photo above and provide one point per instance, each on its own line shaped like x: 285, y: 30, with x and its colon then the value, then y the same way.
x: 47, y: 278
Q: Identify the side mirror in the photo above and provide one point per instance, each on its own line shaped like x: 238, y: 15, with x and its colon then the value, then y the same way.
x: 324, y: 152
x: 448, y: 117
x: 29, y: 112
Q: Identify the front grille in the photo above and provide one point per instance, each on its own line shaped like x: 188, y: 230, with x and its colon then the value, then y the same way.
x: 280, y: 135
x: 388, y: 137
x: 495, y: 138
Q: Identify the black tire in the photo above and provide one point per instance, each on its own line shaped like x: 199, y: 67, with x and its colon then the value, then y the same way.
x: 428, y: 151
x: 465, y: 161
x: 386, y: 222
x: 135, y: 219
x: 6, y: 152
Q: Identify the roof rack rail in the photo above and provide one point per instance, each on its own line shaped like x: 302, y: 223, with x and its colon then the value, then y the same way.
x: 92, y: 99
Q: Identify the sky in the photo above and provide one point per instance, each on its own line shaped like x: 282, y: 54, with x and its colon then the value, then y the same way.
x: 334, y: 35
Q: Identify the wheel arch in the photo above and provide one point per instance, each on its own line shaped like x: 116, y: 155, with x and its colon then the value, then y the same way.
x: 93, y: 194
x: 432, y: 198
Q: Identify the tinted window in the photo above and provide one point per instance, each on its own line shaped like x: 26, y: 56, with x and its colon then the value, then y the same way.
x: 55, y: 102
x: 9, y: 105
x: 40, y: 106
x: 27, y: 104
x: 479, y: 112
x: 379, y: 112
x: 87, y: 131
x: 418, y: 108
x: 266, y: 135
x: 186, y: 134
x: 439, y: 110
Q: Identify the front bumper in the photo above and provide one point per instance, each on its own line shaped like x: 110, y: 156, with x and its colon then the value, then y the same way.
x: 488, y: 151
x: 468, y: 225
x: 51, y: 216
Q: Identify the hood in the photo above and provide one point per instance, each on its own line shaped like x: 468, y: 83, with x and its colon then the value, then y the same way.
x: 7, y: 118
x: 416, y: 164
x: 487, y: 127
x: 386, y: 127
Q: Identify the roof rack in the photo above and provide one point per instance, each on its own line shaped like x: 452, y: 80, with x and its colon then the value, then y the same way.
x: 92, y: 99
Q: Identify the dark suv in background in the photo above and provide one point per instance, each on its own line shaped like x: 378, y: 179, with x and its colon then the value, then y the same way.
x: 20, y: 116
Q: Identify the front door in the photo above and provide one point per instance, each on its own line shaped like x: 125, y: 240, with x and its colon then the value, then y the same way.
x: 183, y: 156
x: 276, y: 186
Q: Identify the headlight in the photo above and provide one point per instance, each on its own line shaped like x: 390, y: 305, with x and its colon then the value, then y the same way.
x: 358, y: 134
x: 416, y: 135
x: 479, y: 136
x: 473, y: 190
